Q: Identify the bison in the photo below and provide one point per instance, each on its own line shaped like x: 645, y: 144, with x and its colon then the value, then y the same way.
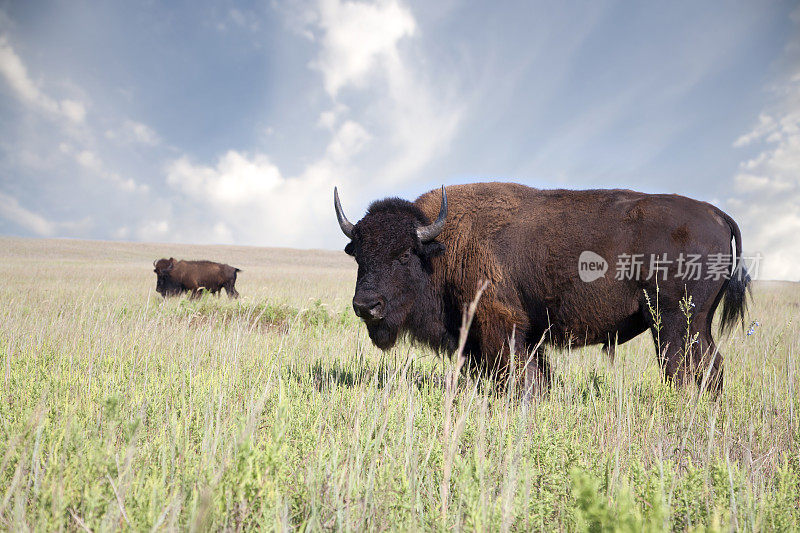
x: 533, y: 246
x: 177, y: 277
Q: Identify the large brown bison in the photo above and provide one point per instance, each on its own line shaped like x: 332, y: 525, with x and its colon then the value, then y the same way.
x: 177, y: 277
x: 546, y: 255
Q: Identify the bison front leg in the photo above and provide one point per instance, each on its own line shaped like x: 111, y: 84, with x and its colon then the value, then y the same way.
x: 531, y: 364
x: 537, y: 373
x: 510, y: 360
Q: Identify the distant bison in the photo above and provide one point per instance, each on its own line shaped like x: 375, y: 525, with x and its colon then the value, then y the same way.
x: 546, y: 255
x: 177, y: 277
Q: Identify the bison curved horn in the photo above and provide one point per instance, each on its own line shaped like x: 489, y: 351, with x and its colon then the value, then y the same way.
x: 346, y: 225
x: 431, y: 231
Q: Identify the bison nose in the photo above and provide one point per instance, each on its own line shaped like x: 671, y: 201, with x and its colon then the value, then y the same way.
x: 370, y: 307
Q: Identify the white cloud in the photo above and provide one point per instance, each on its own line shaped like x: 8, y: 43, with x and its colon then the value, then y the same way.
x: 329, y: 119
x: 89, y: 160
x: 348, y: 141
x: 236, y: 180
x: 154, y: 231
x: 11, y: 210
x: 16, y: 75
x: 359, y: 38
x: 766, y: 124
x: 236, y: 19
x: 749, y: 183
x: 73, y: 110
x: 246, y: 20
x: 134, y: 132
x: 221, y: 233
x: 247, y: 199
x: 141, y: 132
x: 121, y: 233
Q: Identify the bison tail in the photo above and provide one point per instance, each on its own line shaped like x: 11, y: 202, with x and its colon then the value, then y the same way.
x: 734, y: 303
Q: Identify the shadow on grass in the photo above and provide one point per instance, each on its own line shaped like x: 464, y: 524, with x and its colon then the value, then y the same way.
x: 361, y: 373
x: 594, y: 386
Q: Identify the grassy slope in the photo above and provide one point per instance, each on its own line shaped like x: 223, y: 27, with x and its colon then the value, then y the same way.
x: 120, y: 410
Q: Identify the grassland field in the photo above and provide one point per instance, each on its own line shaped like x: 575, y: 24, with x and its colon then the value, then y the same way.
x: 120, y: 410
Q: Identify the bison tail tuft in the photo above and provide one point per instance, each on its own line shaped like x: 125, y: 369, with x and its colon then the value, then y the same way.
x: 734, y: 303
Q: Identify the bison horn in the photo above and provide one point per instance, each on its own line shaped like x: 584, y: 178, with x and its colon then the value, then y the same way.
x: 431, y: 231
x: 346, y: 225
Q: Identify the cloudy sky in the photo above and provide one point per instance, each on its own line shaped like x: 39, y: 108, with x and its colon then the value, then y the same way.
x: 223, y: 122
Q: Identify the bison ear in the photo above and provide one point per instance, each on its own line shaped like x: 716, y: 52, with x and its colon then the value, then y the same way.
x: 350, y: 249
x: 432, y: 249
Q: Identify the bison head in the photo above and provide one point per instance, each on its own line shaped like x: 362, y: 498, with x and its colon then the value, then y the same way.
x: 393, y: 245
x: 164, y: 282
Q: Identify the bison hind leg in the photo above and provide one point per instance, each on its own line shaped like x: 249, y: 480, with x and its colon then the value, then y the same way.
x: 231, y: 291
x: 669, y: 343
x: 681, y: 353
x: 710, y: 372
x: 709, y: 375
x: 692, y: 355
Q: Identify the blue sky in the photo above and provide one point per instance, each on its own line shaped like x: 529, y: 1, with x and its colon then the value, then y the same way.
x: 223, y: 122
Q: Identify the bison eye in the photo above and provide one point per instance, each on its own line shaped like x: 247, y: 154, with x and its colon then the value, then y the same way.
x: 403, y: 258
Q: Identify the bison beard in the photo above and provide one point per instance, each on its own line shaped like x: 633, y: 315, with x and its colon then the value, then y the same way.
x: 417, y: 277
x: 383, y: 333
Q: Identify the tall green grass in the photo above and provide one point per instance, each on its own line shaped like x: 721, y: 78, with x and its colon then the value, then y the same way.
x: 122, y: 411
